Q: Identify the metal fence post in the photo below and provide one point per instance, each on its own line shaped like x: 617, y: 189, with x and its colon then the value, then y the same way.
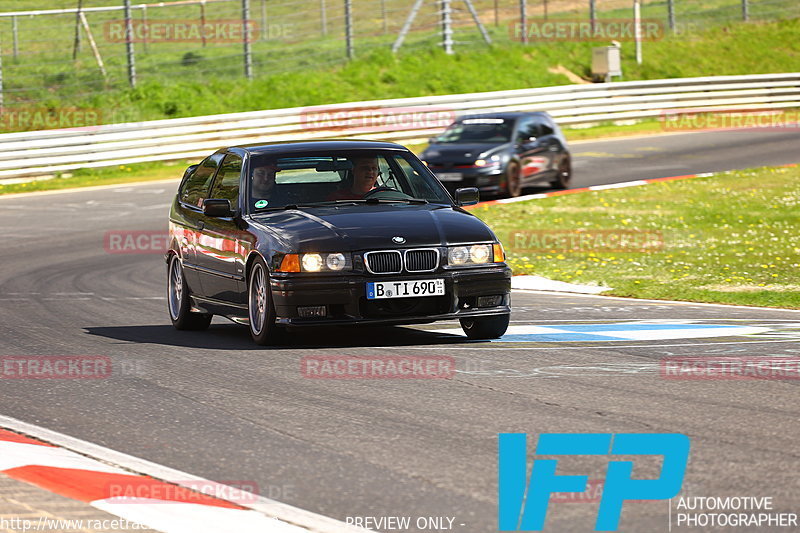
x: 77, y: 46
x: 146, y: 29
x: 447, y: 27
x: 496, y: 14
x: 129, y: 44
x: 2, y: 101
x: 323, y: 17
x: 745, y: 11
x: 637, y: 29
x: 383, y: 16
x: 203, y: 22
x: 523, y: 21
x: 348, y: 28
x: 248, y: 56
x: 671, y: 14
x: 592, y: 14
x: 16, y: 36
x: 264, y: 31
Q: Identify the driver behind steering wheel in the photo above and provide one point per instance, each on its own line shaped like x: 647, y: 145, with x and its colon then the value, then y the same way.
x: 365, y: 174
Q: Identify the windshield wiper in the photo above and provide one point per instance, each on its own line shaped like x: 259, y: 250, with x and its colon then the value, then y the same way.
x: 383, y: 201
x: 291, y: 206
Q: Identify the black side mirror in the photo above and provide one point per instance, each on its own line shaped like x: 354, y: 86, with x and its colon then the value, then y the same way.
x: 467, y: 196
x: 217, y: 208
x: 189, y: 170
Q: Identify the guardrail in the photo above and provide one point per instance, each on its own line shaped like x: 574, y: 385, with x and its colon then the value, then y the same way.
x: 52, y: 151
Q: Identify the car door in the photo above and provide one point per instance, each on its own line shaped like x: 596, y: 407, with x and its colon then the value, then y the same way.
x: 549, y: 141
x: 189, y: 220
x: 220, y: 249
x: 532, y: 154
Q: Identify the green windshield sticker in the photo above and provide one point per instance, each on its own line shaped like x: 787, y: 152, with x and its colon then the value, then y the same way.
x: 261, y: 203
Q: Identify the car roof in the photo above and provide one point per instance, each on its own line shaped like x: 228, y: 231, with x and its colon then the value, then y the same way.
x: 288, y: 147
x: 510, y: 115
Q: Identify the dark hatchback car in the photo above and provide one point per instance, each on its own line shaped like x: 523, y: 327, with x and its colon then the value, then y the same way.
x: 500, y: 153
x: 278, y: 236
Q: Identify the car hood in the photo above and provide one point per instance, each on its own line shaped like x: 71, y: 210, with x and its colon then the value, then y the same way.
x: 451, y: 152
x: 371, y: 227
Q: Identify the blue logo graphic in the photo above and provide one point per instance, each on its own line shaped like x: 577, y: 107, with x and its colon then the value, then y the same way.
x: 523, y: 504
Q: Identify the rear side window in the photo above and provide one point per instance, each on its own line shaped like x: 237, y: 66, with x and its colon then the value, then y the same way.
x: 194, y: 190
x: 527, y: 129
x: 226, y: 184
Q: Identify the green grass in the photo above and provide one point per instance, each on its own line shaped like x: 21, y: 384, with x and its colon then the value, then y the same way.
x: 103, y: 176
x: 732, y: 238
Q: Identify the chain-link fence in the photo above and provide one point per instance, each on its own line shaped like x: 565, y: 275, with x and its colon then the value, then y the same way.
x: 71, y: 50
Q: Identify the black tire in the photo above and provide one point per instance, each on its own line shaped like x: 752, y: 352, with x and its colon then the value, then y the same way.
x: 178, y: 303
x: 260, y: 309
x: 564, y: 174
x: 485, y: 327
x: 513, y: 180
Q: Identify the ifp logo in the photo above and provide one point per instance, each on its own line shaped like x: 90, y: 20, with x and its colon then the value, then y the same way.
x: 523, y: 504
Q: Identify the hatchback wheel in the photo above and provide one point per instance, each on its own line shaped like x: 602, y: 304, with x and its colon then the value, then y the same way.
x: 178, y: 300
x: 513, y: 180
x: 564, y: 174
x: 261, y: 310
x: 488, y: 327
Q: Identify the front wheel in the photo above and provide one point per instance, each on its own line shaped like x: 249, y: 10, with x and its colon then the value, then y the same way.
x: 261, y: 310
x: 564, y: 176
x: 178, y: 300
x: 485, y: 327
x: 513, y: 180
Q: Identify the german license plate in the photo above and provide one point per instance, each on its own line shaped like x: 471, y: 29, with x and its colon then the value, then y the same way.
x: 377, y: 290
x: 449, y: 176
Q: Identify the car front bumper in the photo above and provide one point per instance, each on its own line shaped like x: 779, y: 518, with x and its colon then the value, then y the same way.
x: 345, y: 301
x: 487, y: 180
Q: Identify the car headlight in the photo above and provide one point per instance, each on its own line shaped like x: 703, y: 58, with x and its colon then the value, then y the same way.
x: 490, y: 162
x: 476, y: 254
x: 315, y: 262
x: 311, y: 262
x: 336, y: 262
x: 458, y: 255
x: 480, y: 253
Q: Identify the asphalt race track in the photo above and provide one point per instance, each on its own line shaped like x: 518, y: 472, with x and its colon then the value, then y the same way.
x: 214, y: 405
x: 618, y: 160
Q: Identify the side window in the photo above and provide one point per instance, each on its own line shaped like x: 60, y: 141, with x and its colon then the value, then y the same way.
x: 526, y: 128
x: 226, y: 184
x: 196, y: 186
x: 545, y: 128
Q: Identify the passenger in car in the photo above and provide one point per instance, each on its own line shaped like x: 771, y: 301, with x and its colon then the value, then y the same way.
x: 264, y: 180
x: 362, y: 180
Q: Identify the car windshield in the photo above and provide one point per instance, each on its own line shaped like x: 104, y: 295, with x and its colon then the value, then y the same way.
x: 485, y: 130
x: 331, y: 178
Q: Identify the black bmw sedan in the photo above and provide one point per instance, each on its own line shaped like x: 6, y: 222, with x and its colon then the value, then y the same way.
x: 500, y: 153
x: 329, y: 233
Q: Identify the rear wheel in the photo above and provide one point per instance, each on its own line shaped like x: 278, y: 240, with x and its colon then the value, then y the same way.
x: 513, y: 180
x: 178, y: 300
x: 564, y: 176
x: 485, y: 327
x: 260, y: 308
